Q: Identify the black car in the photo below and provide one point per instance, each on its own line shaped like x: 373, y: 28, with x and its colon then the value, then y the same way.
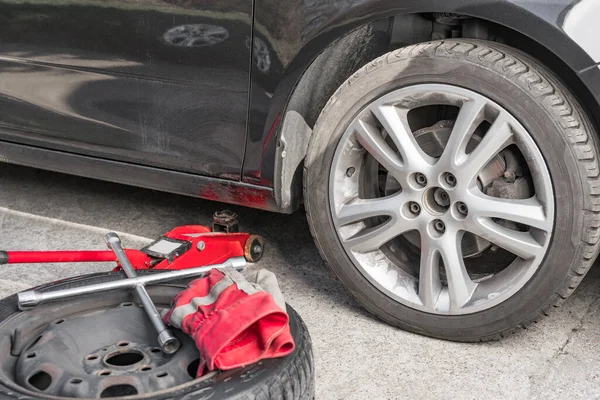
x: 446, y: 152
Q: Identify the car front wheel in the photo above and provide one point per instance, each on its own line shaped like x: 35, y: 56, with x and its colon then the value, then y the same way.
x: 452, y: 187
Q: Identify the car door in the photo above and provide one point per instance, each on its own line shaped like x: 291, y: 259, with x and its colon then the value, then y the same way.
x: 162, y: 83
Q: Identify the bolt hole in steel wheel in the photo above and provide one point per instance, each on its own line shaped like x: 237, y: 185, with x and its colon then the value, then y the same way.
x: 446, y: 160
x: 104, y: 346
x: 443, y: 170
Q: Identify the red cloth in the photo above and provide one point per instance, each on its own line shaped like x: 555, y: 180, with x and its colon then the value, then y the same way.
x: 233, y: 322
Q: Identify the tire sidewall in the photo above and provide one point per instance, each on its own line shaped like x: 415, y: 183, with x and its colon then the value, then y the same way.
x: 387, y: 74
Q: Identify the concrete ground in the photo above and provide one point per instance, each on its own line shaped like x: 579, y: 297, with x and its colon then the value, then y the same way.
x: 356, y: 356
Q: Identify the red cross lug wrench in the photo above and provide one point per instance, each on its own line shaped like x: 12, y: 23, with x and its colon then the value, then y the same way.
x: 167, y: 341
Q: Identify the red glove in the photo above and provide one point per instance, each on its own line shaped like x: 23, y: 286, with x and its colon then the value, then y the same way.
x: 234, y: 322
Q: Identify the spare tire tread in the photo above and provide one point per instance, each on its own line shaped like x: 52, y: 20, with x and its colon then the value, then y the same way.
x: 294, y: 381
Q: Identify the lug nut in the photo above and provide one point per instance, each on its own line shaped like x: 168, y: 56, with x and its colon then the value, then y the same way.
x: 450, y: 179
x: 439, y: 226
x: 462, y: 208
x: 414, y: 208
x: 350, y: 171
x: 421, y: 179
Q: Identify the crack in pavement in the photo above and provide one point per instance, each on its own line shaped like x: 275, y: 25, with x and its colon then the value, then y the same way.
x: 537, y: 379
x: 574, y: 330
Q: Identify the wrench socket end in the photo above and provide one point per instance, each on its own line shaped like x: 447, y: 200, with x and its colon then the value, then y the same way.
x: 168, y: 343
x: 112, y: 238
x: 27, y: 300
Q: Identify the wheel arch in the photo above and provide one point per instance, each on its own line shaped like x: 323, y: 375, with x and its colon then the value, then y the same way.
x: 354, y: 39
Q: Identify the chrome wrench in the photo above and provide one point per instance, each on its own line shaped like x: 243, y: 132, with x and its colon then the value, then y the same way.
x: 32, y: 298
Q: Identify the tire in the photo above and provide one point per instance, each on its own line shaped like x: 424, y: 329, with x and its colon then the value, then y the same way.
x: 558, y: 127
x: 290, y: 377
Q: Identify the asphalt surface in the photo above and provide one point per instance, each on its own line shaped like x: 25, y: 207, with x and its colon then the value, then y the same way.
x: 356, y: 356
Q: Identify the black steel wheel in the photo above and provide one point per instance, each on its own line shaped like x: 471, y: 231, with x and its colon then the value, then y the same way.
x: 103, y: 346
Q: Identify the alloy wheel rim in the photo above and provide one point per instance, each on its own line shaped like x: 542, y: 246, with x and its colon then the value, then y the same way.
x: 441, y: 198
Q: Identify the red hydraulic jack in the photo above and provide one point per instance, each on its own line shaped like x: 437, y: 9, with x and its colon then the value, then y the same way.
x: 186, y: 251
x: 181, y: 248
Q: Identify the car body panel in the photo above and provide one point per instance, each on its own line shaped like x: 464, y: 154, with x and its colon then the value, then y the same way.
x: 117, y: 83
x: 228, y: 191
x: 151, y: 82
x: 579, y: 23
x: 301, y: 29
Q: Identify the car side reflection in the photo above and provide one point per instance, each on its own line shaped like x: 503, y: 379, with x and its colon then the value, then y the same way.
x: 195, y: 35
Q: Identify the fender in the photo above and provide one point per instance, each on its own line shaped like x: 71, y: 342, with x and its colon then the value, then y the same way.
x: 298, y: 31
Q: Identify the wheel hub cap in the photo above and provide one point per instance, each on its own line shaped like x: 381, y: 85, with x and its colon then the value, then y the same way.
x: 436, y: 200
